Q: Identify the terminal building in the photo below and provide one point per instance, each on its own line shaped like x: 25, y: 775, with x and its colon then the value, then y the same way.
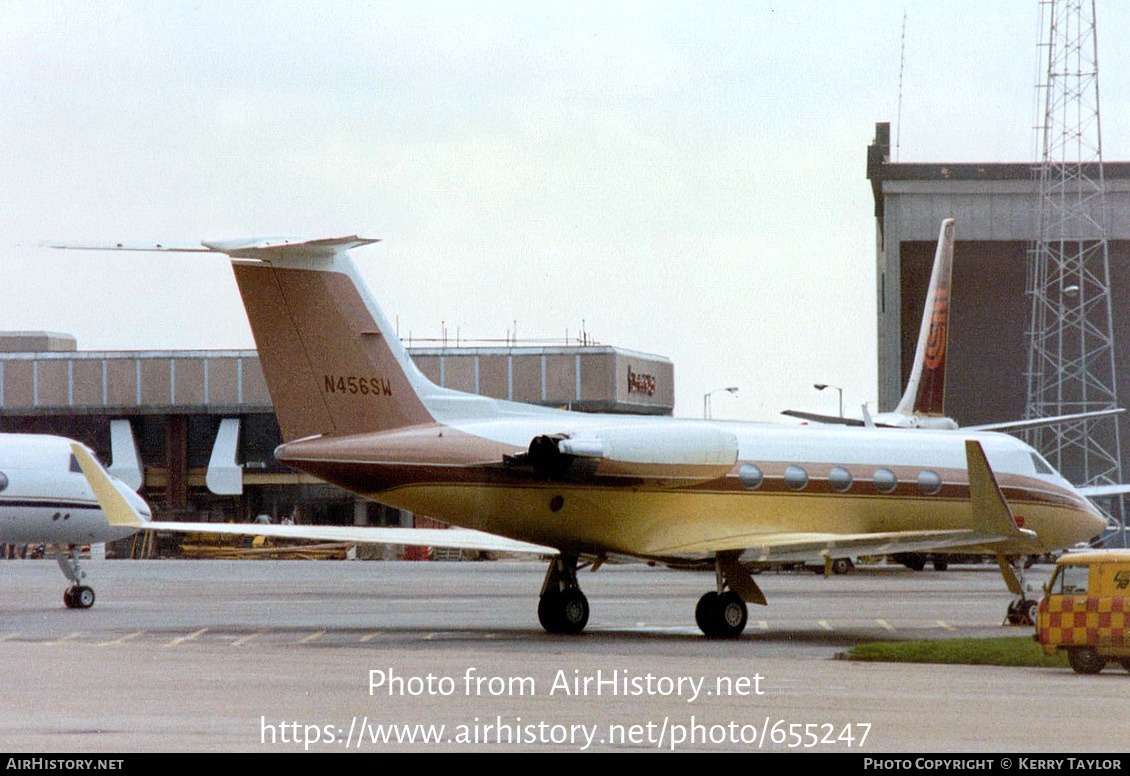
x: 996, y: 210
x: 195, y: 430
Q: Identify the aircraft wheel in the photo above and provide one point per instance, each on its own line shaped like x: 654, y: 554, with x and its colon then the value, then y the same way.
x: 84, y: 597
x: 842, y: 565
x: 565, y: 612
x: 940, y: 563
x: 1084, y: 660
x: 703, y: 612
x: 721, y: 616
x: 69, y: 598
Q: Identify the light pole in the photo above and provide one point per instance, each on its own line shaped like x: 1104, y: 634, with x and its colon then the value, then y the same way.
x: 733, y: 389
x: 822, y: 386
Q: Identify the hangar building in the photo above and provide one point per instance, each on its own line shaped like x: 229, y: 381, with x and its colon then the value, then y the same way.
x: 197, y: 429
x: 996, y: 208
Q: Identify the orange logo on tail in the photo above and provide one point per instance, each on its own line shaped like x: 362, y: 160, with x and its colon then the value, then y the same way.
x: 936, y: 339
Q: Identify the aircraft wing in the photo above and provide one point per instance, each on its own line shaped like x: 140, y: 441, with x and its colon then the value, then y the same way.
x: 118, y: 511
x: 1017, y: 425
x: 1099, y: 491
x: 458, y: 538
x: 829, y: 419
x: 797, y: 547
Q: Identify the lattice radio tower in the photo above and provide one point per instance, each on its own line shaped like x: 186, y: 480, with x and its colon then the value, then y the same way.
x: 1071, y: 345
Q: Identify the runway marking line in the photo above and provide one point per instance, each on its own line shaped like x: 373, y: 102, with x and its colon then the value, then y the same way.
x: 247, y: 638
x: 312, y: 637
x: 824, y: 624
x: 885, y: 624
x: 120, y: 640
x: 65, y: 639
x: 369, y: 637
x: 181, y: 639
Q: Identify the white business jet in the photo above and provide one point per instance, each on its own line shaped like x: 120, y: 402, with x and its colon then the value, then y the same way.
x: 45, y: 499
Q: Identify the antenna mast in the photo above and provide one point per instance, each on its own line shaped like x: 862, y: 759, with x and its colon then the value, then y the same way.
x: 1071, y: 343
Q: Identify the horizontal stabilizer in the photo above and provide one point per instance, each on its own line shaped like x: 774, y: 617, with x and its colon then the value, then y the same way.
x: 254, y: 247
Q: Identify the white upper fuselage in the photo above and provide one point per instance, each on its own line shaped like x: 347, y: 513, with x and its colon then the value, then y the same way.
x: 44, y: 497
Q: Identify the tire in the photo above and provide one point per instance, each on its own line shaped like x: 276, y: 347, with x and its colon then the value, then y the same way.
x: 573, y: 611
x: 1084, y: 660
x: 941, y: 563
x: 84, y: 597
x: 69, y: 598
x: 842, y: 565
x: 731, y: 615
x: 564, y: 613
x: 704, y: 613
x: 912, y: 560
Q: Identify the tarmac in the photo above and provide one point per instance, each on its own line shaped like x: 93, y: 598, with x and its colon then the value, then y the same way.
x: 393, y: 656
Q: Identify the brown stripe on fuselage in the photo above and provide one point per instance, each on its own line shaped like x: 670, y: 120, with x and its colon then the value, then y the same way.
x: 461, y: 478
x: 328, y: 367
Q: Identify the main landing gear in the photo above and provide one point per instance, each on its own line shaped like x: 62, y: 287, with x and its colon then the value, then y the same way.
x: 722, y: 613
x: 562, y: 607
x: 78, y: 595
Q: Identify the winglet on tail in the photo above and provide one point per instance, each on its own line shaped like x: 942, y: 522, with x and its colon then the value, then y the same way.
x: 991, y: 514
x: 114, y: 505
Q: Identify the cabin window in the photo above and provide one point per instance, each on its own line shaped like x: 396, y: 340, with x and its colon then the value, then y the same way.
x: 750, y: 476
x: 74, y: 465
x: 3, y: 481
x: 796, y: 478
x: 840, y: 479
x: 929, y: 483
x: 885, y: 481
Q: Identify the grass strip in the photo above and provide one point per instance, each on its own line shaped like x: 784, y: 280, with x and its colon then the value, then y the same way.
x: 1006, y: 651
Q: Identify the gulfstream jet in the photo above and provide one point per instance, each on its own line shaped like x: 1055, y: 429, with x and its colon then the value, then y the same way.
x: 45, y: 499
x: 355, y: 411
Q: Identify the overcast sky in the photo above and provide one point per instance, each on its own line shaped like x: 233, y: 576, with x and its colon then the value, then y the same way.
x: 687, y: 179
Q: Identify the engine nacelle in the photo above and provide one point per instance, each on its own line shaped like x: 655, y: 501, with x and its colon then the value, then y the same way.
x: 676, y: 454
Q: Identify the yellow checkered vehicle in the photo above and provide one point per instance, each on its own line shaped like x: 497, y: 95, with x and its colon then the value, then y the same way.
x: 1086, y: 610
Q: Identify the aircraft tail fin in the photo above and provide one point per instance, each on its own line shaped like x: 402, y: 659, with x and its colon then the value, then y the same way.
x: 926, y: 389
x: 332, y: 361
